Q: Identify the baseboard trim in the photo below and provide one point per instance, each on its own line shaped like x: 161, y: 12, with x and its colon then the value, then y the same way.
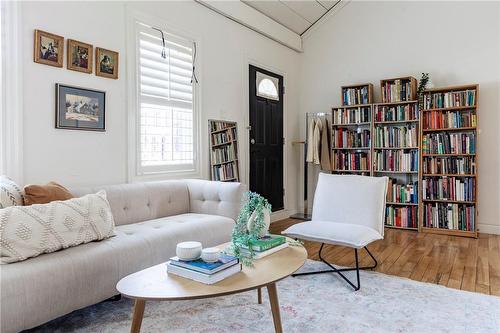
x: 282, y: 214
x: 489, y: 229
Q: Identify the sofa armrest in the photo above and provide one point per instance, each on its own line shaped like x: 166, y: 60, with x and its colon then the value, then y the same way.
x: 216, y: 198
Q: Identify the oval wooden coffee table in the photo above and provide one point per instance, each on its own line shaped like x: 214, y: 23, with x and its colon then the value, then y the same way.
x: 155, y: 284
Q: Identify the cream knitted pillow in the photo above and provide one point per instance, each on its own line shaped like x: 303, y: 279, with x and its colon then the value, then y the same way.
x: 10, y: 193
x: 28, y: 231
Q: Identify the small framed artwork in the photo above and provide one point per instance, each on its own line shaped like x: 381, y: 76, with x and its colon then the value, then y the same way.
x: 106, y: 63
x: 48, y: 49
x: 80, y: 56
x: 80, y: 108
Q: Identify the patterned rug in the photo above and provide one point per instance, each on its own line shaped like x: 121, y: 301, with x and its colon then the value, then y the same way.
x: 315, y: 303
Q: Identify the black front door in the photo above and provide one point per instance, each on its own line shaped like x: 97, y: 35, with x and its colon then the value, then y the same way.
x: 266, y: 135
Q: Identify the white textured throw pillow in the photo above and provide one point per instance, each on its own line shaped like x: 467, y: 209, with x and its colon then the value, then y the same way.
x: 28, y: 231
x: 10, y: 193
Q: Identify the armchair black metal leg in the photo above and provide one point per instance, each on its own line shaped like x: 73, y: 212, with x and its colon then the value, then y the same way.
x: 339, y: 271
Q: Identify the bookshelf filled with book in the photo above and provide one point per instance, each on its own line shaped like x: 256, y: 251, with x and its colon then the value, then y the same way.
x: 449, y: 160
x: 396, y: 150
x: 400, y: 89
x: 351, y: 139
x: 223, y: 150
x: 357, y: 94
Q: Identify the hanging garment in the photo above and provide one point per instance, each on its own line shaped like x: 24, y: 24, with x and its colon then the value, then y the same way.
x: 310, y: 146
x: 325, y: 146
x: 317, y: 141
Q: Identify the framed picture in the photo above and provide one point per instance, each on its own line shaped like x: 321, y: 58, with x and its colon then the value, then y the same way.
x: 106, y: 63
x: 48, y: 49
x: 80, y: 108
x: 80, y: 56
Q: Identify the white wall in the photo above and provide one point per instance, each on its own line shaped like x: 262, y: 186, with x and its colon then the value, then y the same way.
x: 456, y: 42
x: 226, y: 48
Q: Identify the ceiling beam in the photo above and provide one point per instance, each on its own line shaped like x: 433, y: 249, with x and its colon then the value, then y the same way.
x: 255, y: 20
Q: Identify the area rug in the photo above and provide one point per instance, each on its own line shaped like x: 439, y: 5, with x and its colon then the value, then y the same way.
x: 314, y: 303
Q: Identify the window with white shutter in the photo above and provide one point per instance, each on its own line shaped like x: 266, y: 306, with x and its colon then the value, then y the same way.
x: 166, y: 130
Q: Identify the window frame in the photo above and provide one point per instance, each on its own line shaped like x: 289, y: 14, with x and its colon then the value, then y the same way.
x: 136, y: 172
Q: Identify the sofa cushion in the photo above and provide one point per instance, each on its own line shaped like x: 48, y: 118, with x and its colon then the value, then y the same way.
x: 89, y: 272
x: 10, y: 193
x: 28, y: 231
x: 42, y: 194
x: 137, y: 202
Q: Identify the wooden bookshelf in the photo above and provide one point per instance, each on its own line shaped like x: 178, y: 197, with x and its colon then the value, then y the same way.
x: 356, y: 94
x: 351, y: 139
x: 396, y: 126
x: 223, y: 151
x: 448, y: 115
x: 399, y: 89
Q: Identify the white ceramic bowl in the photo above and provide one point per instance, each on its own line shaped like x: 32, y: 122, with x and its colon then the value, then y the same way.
x: 210, y: 254
x: 188, y: 250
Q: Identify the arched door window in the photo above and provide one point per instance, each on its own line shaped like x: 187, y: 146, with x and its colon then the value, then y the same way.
x: 267, y: 86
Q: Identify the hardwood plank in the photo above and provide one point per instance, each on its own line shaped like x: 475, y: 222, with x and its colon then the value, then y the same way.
x: 456, y: 262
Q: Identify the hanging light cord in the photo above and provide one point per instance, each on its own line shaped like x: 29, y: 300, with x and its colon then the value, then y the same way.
x: 193, y: 76
x: 164, y: 49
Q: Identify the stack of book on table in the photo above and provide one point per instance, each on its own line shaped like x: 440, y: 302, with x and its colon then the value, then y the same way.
x: 265, y: 246
x: 205, y: 272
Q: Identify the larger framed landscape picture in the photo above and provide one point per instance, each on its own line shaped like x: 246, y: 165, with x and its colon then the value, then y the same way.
x: 80, y: 108
x: 48, y: 49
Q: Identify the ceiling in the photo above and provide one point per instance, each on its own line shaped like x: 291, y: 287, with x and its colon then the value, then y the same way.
x: 297, y: 16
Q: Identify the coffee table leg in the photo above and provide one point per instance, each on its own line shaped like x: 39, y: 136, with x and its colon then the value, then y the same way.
x: 275, y: 307
x: 259, y: 295
x: 137, y: 318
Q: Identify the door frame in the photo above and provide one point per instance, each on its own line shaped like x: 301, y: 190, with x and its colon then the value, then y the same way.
x: 280, y: 214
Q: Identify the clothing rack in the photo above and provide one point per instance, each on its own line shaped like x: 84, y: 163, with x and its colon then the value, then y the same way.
x: 305, y: 216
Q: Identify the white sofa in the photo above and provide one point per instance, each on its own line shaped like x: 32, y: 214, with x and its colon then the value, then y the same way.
x: 151, y: 218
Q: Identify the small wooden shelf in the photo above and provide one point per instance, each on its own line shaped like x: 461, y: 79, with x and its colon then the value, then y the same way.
x: 447, y: 175
x: 369, y: 93
x: 351, y: 148
x: 402, y: 203
x: 395, y: 148
x: 403, y: 80
x: 223, y: 130
x: 396, y: 172
x: 353, y: 171
x: 395, y: 103
x: 403, y: 228
x: 451, y: 108
x: 352, y: 124
x: 224, y: 143
x: 396, y: 122
x: 446, y: 155
x: 352, y: 106
x: 226, y: 162
x: 449, y: 201
x: 450, y: 129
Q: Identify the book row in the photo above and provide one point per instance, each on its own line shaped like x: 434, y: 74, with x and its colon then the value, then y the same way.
x: 220, y: 125
x: 355, y: 95
x: 449, y: 119
x: 465, y: 165
x: 395, y: 112
x: 224, y: 137
x: 396, y: 91
x: 402, y: 193
x: 435, y: 100
x: 225, y: 171
x: 396, y: 160
x: 351, y: 116
x: 449, y: 188
x: 396, y: 136
x: 223, y: 154
x: 351, y: 160
x: 449, y: 143
x: 449, y: 216
x: 405, y: 217
x: 351, y: 138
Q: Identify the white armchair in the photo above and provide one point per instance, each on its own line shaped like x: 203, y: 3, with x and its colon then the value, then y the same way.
x: 347, y: 211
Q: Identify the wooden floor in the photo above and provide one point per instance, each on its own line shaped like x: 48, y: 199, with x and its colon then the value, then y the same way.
x: 456, y: 262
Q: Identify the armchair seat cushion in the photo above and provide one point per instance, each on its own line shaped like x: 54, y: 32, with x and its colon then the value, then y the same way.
x: 345, y: 234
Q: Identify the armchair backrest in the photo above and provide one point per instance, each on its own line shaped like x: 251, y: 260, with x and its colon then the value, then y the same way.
x: 351, y: 199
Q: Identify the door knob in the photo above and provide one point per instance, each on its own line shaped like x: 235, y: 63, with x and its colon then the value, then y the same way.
x: 252, y: 141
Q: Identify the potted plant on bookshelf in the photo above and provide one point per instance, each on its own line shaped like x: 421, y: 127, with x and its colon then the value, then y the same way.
x: 422, y: 84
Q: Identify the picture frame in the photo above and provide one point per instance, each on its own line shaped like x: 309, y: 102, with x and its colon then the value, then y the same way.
x: 106, y: 63
x: 80, y: 56
x: 48, y: 49
x: 80, y: 108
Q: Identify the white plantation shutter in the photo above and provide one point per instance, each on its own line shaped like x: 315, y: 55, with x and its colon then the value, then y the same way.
x: 166, y: 101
